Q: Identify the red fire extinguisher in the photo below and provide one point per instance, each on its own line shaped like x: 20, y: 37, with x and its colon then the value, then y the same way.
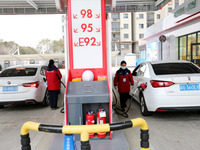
x: 101, y: 119
x: 90, y: 121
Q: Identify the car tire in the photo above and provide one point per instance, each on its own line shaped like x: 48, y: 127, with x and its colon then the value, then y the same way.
x: 1, y: 106
x: 143, y: 108
x: 45, y: 101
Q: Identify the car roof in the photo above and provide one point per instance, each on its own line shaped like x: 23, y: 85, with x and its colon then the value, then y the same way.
x: 166, y: 61
x: 26, y: 66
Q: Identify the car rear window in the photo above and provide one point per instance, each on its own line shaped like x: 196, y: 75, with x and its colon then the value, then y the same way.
x: 16, y: 72
x: 175, y: 68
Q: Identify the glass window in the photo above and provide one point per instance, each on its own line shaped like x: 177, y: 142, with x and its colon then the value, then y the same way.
x: 115, y: 15
x: 198, y: 37
x: 115, y: 36
x: 141, y: 26
x: 158, y: 16
x: 63, y: 18
x: 15, y: 72
x: 182, y: 48
x: 125, y: 26
x: 141, y: 16
x: 113, y: 47
x: 176, y: 5
x: 142, y: 70
x: 115, y: 25
x: 125, y: 15
x: 191, y: 39
x: 148, y: 25
x: 126, y: 46
x: 125, y: 36
x: 42, y: 71
x: 141, y: 36
x: 175, y: 68
x: 135, y: 71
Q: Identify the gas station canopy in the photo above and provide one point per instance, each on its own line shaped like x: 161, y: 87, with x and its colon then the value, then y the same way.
x: 10, y: 7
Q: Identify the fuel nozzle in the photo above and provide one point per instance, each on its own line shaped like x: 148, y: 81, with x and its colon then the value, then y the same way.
x: 142, y: 86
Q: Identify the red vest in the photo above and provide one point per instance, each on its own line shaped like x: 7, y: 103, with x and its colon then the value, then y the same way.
x: 53, y: 77
x: 123, y: 78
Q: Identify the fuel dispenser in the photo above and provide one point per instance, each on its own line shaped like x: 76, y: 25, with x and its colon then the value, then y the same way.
x: 86, y: 52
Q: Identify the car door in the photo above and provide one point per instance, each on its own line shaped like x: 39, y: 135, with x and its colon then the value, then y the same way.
x: 138, y: 75
x: 42, y: 73
x: 135, y: 75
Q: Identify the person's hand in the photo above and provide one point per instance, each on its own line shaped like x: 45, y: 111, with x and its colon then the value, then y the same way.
x: 115, y: 87
x: 132, y: 86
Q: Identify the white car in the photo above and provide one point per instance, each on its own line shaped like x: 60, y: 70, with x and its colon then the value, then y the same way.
x: 23, y: 84
x: 171, y: 86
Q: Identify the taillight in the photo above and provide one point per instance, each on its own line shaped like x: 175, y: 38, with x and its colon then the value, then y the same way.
x: 32, y: 84
x: 157, y: 84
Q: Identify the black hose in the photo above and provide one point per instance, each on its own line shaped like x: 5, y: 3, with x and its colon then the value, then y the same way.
x: 63, y: 109
x: 118, y: 110
x: 62, y: 84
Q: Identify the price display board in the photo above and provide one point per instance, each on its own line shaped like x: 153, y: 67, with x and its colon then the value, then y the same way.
x: 86, y: 27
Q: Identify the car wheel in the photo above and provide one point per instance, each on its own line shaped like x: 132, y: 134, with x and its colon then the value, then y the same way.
x: 45, y: 101
x: 143, y: 108
x: 1, y: 106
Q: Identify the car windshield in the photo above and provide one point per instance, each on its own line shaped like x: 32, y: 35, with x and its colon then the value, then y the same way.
x: 16, y: 72
x: 175, y: 68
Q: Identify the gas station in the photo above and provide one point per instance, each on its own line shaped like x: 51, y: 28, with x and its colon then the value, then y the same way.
x: 88, y: 100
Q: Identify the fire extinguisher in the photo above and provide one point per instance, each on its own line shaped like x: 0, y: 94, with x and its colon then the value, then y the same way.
x: 90, y: 121
x: 101, y: 119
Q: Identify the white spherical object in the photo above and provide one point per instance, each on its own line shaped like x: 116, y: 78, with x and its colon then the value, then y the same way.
x: 87, y: 75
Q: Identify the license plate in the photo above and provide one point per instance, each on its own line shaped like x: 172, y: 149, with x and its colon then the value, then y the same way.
x: 10, y: 88
x: 189, y: 87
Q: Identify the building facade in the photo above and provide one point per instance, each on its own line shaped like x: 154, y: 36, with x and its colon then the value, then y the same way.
x: 182, y: 31
x: 143, y: 20
x: 121, y: 30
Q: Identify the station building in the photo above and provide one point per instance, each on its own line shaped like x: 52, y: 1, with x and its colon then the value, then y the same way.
x: 180, y: 33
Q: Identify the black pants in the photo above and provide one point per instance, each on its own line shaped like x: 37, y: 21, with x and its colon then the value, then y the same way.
x: 53, y: 97
x: 123, y: 99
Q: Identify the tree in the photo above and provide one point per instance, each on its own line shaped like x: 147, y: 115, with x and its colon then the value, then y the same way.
x: 7, y: 48
x: 27, y: 50
x: 58, y: 46
x: 44, y: 46
x: 48, y: 46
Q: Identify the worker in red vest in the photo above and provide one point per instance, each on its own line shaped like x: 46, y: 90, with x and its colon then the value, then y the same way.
x: 123, y: 79
x: 53, y: 77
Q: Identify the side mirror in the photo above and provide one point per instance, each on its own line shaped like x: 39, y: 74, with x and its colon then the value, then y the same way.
x: 134, y: 73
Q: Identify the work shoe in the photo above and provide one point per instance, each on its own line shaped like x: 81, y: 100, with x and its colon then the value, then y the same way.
x: 54, y: 108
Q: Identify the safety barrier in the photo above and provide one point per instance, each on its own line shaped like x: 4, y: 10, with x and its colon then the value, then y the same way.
x: 84, y: 130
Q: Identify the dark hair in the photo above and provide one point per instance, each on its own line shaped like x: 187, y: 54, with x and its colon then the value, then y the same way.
x: 123, y: 62
x: 51, y: 62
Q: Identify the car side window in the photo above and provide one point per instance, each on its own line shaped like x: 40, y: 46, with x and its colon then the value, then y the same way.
x: 142, y: 70
x: 135, y: 71
x: 42, y: 71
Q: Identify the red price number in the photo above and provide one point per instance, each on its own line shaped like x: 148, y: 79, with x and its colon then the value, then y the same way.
x: 88, y: 27
x: 86, y: 12
x: 87, y: 41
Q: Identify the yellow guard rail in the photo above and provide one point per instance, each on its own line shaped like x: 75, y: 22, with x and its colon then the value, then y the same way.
x: 84, y: 130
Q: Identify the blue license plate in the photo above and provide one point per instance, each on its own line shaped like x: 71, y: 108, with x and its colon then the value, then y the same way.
x: 189, y: 87
x: 10, y: 88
